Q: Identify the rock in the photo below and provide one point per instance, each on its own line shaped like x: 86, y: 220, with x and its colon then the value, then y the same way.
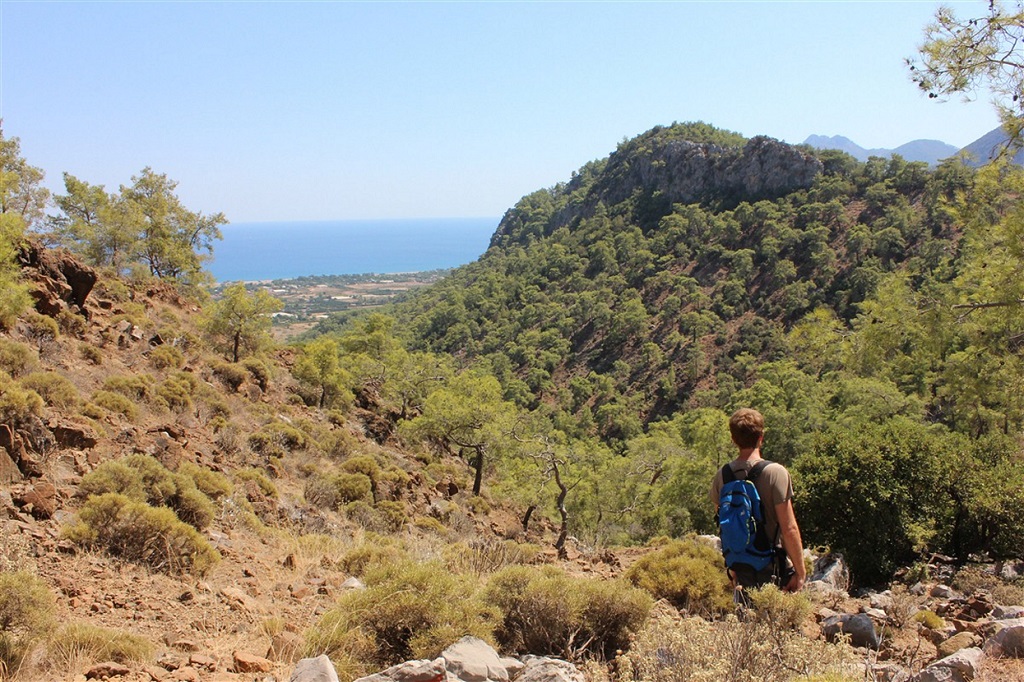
x: 712, y: 541
x: 1011, y: 570
x: 9, y: 471
x: 1009, y: 640
x: 238, y: 599
x: 61, y: 280
x: 411, y: 671
x: 881, y: 600
x: 284, y: 646
x: 831, y: 572
x: 248, y: 663
x: 319, y: 669
x: 876, y: 614
x: 543, y: 669
x: 474, y: 660
x: 187, y: 674
x: 960, y: 667
x: 73, y: 436
x: 202, y: 662
x: 156, y: 673
x: 106, y: 670
x: 40, y: 500
x: 961, y: 640
x: 353, y: 583
x: 1007, y: 612
x: 942, y: 592
x: 860, y: 628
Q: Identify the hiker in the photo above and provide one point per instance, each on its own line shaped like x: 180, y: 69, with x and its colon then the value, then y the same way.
x: 774, y: 553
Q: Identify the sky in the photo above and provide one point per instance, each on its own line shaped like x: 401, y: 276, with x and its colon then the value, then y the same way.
x: 276, y: 111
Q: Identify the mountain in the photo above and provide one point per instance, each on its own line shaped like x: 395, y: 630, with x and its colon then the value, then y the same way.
x: 928, y: 151
x: 988, y: 146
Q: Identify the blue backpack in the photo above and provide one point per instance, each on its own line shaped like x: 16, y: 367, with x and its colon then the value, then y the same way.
x: 741, y: 521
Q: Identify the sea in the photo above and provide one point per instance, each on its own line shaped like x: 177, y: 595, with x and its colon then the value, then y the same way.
x: 286, y: 250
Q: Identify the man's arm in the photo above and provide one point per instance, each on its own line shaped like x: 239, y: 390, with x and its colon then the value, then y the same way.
x: 792, y: 543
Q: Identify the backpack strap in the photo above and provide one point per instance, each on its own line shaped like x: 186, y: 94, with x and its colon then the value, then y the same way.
x: 727, y: 474
x: 756, y: 470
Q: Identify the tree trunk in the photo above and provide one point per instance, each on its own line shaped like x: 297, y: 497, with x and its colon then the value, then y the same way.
x: 479, y: 465
x: 234, y: 349
x: 526, y: 517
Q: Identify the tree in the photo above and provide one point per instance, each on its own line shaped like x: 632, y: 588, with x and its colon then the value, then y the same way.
x: 469, y: 414
x: 21, y: 190
x: 319, y: 366
x: 240, y: 320
x: 961, y: 56
x: 17, y: 198
x: 171, y: 237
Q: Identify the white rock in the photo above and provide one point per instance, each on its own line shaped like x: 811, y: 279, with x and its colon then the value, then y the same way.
x: 319, y: 669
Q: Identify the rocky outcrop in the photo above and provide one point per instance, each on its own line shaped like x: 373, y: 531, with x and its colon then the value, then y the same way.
x: 690, y: 172
x: 61, y: 281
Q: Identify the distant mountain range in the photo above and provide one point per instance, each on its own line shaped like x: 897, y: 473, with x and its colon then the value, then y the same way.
x: 979, y: 152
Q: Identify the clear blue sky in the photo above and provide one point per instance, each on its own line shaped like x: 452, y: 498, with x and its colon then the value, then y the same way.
x: 334, y: 110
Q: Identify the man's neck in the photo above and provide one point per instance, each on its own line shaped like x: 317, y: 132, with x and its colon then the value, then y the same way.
x: 750, y: 454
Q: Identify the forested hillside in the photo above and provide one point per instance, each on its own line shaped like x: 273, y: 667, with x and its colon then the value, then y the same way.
x: 870, y: 310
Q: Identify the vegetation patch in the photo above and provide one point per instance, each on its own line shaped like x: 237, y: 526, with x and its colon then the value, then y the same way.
x: 688, y: 573
x: 26, y: 617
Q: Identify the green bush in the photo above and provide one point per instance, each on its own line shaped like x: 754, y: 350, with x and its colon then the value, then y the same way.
x: 258, y: 370
x: 80, y: 640
x: 91, y: 353
x: 17, y: 403
x: 687, y: 573
x: 42, y: 328
x: 166, y: 357
x: 213, y: 484
x: 135, y: 386
x: 26, y: 615
x: 142, y: 478
x: 392, y: 515
x: 137, y: 532
x: 351, y: 487
x: 71, y: 324
x: 232, y: 374
x: 260, y: 479
x: 408, y: 610
x: 277, y: 439
x: 116, y: 403
x: 780, y: 610
x: 547, y: 612
x: 486, y: 555
x: 366, y: 557
x: 17, y: 358
x: 929, y: 619
x: 55, y: 389
x: 175, y: 393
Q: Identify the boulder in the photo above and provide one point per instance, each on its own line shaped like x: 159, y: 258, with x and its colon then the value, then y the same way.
x: 1007, y: 612
x: 831, y: 572
x: 860, y: 628
x: 40, y: 500
x: 411, y: 671
x: 1009, y: 640
x: 106, y: 670
x: 544, y: 669
x: 960, y: 667
x: 61, y: 281
x: 319, y: 669
x: 248, y: 663
x: 474, y: 660
x: 961, y: 640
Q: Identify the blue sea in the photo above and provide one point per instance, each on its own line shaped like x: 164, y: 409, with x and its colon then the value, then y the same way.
x: 285, y: 250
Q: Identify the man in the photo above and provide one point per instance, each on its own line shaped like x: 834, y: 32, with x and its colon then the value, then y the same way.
x: 775, y: 488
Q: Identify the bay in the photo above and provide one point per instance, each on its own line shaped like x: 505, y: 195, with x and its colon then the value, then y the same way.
x: 289, y: 249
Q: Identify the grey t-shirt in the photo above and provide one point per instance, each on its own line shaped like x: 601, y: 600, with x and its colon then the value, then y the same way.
x: 774, y: 486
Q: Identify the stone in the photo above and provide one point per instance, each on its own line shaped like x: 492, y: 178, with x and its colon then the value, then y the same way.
x: 961, y: 640
x: 859, y: 627
x: 248, y: 663
x: 411, y: 671
x: 186, y: 674
x: 830, y: 573
x: 40, y: 500
x: 1007, y: 612
x: 237, y: 599
x: 106, y: 670
x: 544, y: 669
x: 962, y: 666
x: 474, y: 660
x: 284, y: 646
x: 156, y: 673
x: 353, y: 583
x: 942, y: 592
x: 202, y: 662
x: 319, y: 669
x: 1009, y: 640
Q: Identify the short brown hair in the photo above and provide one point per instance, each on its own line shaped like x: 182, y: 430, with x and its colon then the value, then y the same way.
x: 746, y: 426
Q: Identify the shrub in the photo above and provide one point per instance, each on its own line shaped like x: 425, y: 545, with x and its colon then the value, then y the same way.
x: 116, y: 403
x: 26, y: 614
x: 17, y: 403
x: 779, y: 610
x: 670, y: 649
x: 139, y: 533
x: 258, y: 370
x: 929, y: 619
x: 91, y: 353
x: 55, y: 389
x: 166, y: 357
x: 175, y: 393
x: 392, y: 515
x: 687, y: 573
x: 213, y: 484
x: 368, y: 556
x: 407, y: 611
x: 277, y: 438
x: 486, y: 555
x: 547, y: 612
x: 82, y: 641
x: 351, y: 487
x: 232, y: 374
x: 429, y: 524
x: 17, y: 358
x: 135, y: 386
x: 260, y: 479
x: 42, y: 328
x: 70, y: 323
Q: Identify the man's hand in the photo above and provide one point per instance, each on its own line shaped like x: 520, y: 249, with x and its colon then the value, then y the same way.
x: 796, y: 582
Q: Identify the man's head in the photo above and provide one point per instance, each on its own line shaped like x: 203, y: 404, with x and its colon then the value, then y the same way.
x: 747, y: 427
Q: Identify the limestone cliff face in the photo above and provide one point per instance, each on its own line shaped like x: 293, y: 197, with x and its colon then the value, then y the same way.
x: 689, y: 172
